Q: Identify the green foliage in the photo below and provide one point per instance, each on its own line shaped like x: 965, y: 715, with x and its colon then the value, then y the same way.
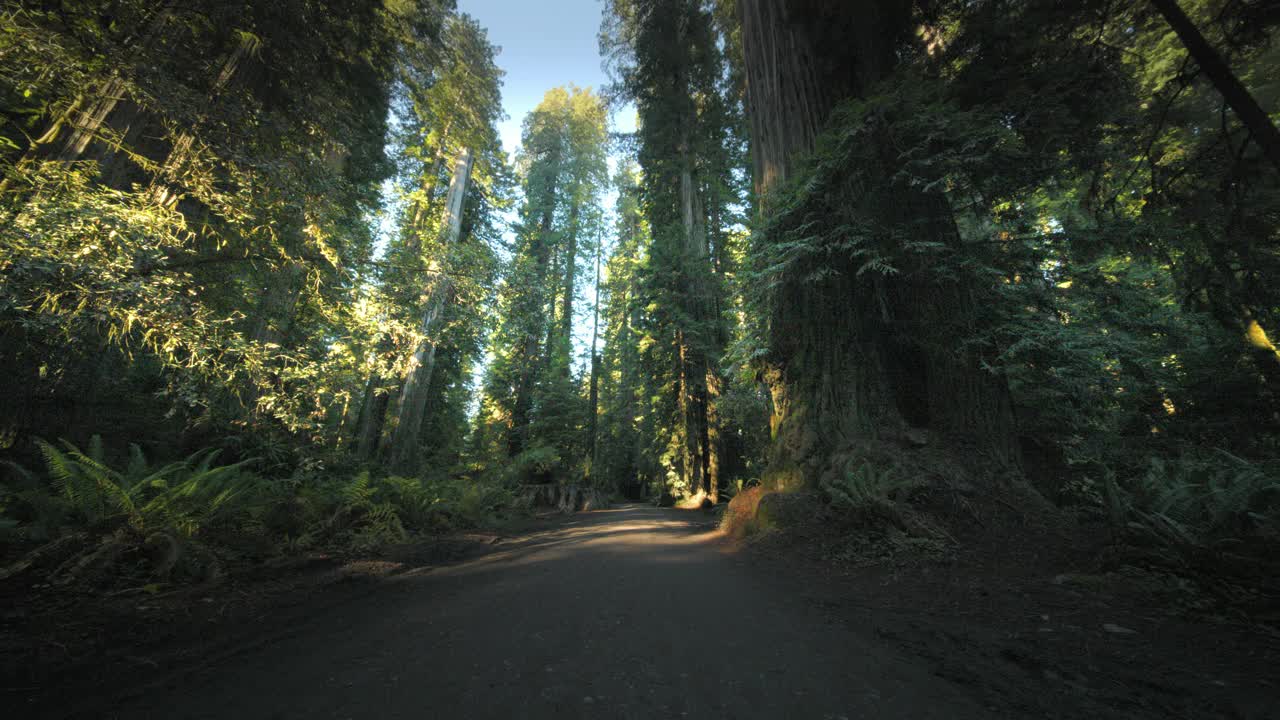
x: 367, y: 513
x: 190, y: 212
x: 1083, y: 173
x: 188, y: 517
x: 538, y: 464
x: 1204, y: 502
x: 190, y: 252
x: 670, y: 300
x: 867, y: 485
x: 82, y: 490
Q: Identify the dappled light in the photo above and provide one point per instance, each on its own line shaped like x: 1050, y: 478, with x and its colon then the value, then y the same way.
x: 639, y: 358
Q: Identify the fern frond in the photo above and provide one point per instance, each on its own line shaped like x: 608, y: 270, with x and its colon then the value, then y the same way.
x: 66, y: 477
x: 96, y: 449
x: 137, y: 467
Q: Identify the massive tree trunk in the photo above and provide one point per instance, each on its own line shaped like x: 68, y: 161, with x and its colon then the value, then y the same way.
x: 90, y: 118
x: 422, y: 201
x: 551, y: 331
x: 716, y: 458
x: 72, y: 132
x: 413, y: 396
x: 91, y: 112
x: 858, y: 358
x: 789, y: 90
x: 694, y: 363
x: 681, y: 127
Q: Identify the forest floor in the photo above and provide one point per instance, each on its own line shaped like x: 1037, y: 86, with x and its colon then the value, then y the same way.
x: 639, y: 612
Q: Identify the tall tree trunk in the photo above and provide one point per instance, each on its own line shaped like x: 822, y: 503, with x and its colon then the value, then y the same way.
x: 413, y: 396
x: 593, y: 417
x: 517, y: 435
x: 373, y: 415
x: 858, y: 359
x: 89, y: 120
x: 1251, y: 114
x: 714, y: 442
x: 164, y: 185
x: 564, y: 345
x: 77, y: 127
x: 550, y: 348
x: 273, y: 316
x: 697, y: 365
x: 422, y: 203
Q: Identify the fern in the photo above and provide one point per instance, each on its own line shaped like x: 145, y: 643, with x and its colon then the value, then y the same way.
x: 85, y: 483
x: 1203, y: 501
x: 31, y: 511
x: 175, y: 507
x: 866, y: 486
x: 178, y: 497
x: 359, y: 491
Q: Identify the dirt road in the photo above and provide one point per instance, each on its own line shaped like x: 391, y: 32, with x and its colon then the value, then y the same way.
x: 628, y: 613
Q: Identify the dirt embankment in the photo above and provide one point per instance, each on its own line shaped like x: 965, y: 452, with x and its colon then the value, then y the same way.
x: 1039, y: 612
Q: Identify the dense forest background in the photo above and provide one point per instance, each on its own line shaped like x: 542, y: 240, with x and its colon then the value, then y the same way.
x: 266, y: 272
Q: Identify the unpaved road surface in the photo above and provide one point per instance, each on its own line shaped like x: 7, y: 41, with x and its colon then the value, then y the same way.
x: 628, y: 613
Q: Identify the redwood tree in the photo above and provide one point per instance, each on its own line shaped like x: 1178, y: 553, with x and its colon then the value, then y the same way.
x: 868, y: 308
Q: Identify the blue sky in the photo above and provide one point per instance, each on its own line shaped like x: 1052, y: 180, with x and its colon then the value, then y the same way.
x: 545, y: 43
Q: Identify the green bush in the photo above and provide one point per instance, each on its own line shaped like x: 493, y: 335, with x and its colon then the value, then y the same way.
x: 94, y: 519
x: 185, y: 514
x: 540, y: 462
x: 367, y: 512
x: 867, y: 486
x: 81, y: 490
x: 1201, y: 501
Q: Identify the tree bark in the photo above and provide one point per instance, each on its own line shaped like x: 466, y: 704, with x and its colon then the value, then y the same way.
x: 694, y: 364
x: 857, y: 359
x: 96, y: 108
x: 594, y: 411
x: 89, y: 112
x: 373, y: 415
x: 517, y: 434
x: 164, y: 185
x: 564, y: 344
x: 413, y: 396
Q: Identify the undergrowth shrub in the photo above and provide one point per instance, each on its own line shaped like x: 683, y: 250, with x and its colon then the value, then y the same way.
x: 94, y: 522
x: 867, y: 485
x: 877, y: 506
x: 81, y: 489
x: 365, y: 512
x: 156, y: 517
x: 1200, y: 501
x: 539, y: 463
